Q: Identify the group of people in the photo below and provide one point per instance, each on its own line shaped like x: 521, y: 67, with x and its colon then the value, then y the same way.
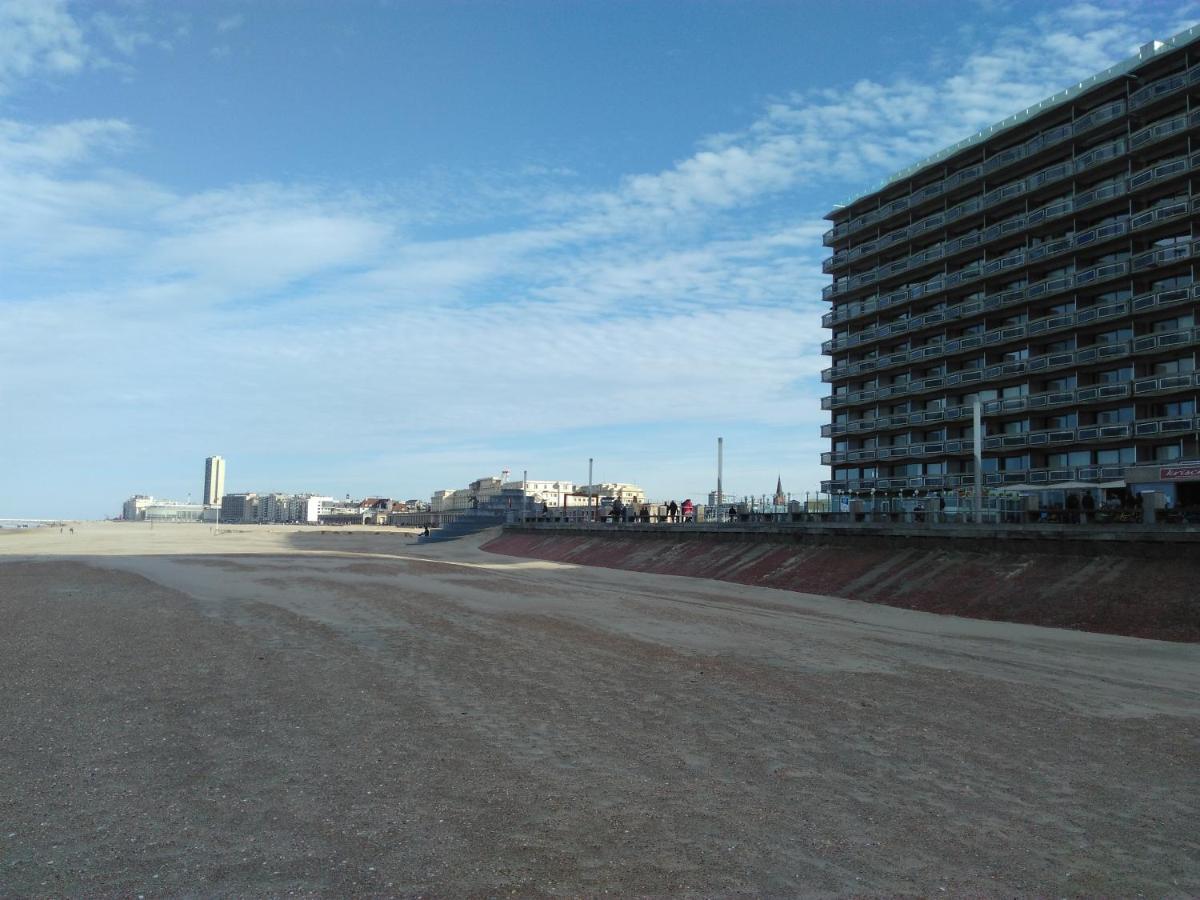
x: 674, y: 512
x: 1075, y: 504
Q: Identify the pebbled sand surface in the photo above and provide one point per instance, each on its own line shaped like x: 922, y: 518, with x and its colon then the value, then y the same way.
x: 284, y: 711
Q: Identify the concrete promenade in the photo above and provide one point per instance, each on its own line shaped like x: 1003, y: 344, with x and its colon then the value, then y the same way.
x: 1134, y: 540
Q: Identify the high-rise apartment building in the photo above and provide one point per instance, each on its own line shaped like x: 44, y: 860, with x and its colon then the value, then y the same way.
x: 1046, y: 266
x: 214, y: 480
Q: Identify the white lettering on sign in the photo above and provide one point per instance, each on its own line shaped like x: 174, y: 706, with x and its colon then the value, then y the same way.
x: 1168, y: 473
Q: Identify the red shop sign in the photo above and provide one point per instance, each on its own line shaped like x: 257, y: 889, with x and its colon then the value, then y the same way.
x: 1169, y: 473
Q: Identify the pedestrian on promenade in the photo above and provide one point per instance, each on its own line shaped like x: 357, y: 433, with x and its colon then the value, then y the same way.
x: 732, y: 513
x: 688, y: 509
x: 672, y: 511
x: 618, y: 511
x: 1073, y: 509
x: 646, y: 514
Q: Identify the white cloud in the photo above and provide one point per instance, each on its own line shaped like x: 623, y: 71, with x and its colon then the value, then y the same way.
x: 38, y: 37
x: 125, y: 36
x: 266, y: 249
x: 24, y: 146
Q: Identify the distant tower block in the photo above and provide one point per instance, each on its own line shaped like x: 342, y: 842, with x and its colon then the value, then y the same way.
x: 214, y: 480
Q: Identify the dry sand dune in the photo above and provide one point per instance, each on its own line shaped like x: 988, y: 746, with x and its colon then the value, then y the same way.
x: 259, y: 712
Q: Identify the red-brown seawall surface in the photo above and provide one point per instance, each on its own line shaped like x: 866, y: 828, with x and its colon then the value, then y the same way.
x: 1144, y: 587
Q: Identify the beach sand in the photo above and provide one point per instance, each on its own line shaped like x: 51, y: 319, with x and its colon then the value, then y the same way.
x: 263, y: 711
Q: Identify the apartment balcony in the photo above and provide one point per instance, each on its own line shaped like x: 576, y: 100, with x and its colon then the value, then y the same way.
x: 1000, y: 337
x: 1050, y: 362
x: 1013, y: 405
x: 994, y: 480
x: 1168, y: 86
x: 1163, y: 128
x: 993, y: 338
x: 1058, y: 437
x: 1139, y: 181
x: 1163, y: 87
x: 1005, y: 158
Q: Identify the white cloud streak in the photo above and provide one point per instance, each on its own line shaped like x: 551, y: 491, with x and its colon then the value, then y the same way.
x: 38, y: 37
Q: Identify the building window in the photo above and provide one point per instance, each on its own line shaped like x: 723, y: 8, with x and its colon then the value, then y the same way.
x: 1016, y: 463
x: 1121, y: 456
x: 1176, y: 324
x: 1115, y: 376
x: 1175, y: 366
x: 1116, y: 336
x: 1168, y: 452
x: 1066, y: 420
x: 1115, y: 416
x: 1173, y: 408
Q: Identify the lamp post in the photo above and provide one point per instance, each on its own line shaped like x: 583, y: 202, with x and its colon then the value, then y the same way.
x: 977, y: 432
x: 720, y: 473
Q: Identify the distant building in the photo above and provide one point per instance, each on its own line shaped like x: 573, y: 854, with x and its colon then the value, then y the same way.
x: 172, y: 511
x: 239, y: 508
x: 214, y: 481
x: 309, y: 507
x: 549, y: 492
x: 484, y: 489
x: 611, y: 490
x: 134, y: 509
x: 349, y: 513
x: 726, y: 498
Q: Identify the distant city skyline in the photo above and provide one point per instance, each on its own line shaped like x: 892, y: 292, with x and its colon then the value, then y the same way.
x: 385, y: 249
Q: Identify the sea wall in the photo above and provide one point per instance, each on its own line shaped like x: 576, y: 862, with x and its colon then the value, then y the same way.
x: 1130, y: 581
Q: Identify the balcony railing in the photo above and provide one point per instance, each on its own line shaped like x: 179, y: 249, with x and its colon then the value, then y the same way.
x: 1049, y: 437
x: 1137, y: 181
x: 1004, y: 158
x: 1050, y: 362
x: 997, y: 480
x: 995, y: 337
x: 992, y: 408
x: 1155, y: 90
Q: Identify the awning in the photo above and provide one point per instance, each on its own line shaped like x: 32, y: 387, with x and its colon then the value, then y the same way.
x: 1059, y: 486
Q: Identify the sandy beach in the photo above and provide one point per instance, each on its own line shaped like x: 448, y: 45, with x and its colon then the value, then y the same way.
x: 344, y: 712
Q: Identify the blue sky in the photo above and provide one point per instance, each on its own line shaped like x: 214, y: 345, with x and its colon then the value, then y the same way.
x: 386, y: 248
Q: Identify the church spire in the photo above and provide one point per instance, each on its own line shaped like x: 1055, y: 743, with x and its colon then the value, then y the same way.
x: 780, y: 496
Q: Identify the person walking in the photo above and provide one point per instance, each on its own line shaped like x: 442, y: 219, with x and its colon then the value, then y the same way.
x: 1073, y: 509
x: 672, y: 511
x: 688, y: 509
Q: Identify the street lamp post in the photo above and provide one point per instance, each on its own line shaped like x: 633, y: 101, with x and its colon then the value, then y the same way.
x: 977, y: 431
